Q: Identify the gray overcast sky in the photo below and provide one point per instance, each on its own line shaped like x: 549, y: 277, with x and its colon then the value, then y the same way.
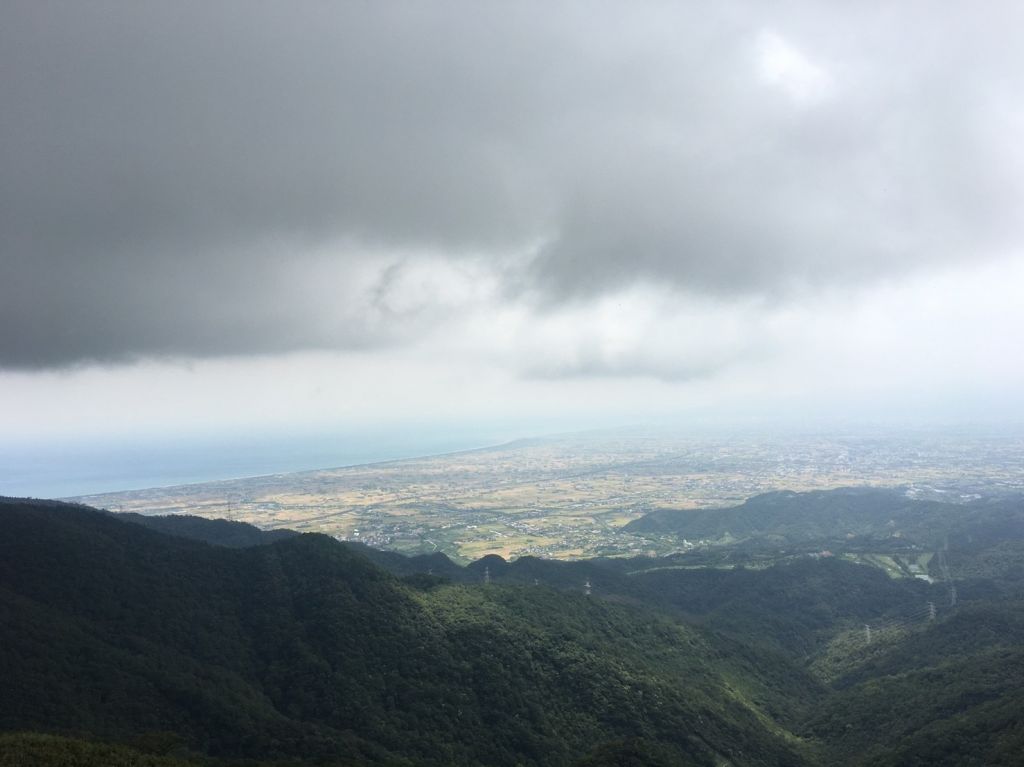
x: 234, y: 214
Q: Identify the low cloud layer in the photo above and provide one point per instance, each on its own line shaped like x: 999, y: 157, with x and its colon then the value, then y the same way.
x: 206, y: 179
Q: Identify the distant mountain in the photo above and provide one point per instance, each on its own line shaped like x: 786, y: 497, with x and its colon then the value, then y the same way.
x: 858, y: 514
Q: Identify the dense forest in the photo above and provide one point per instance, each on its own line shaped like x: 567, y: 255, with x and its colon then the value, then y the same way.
x: 851, y: 516
x: 166, y: 641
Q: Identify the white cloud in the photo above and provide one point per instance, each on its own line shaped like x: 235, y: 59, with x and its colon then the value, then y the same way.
x: 784, y: 66
x: 943, y: 345
x: 641, y: 209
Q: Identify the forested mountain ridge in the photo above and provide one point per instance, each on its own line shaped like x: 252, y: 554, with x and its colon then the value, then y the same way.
x: 791, y: 608
x: 232, y: 534
x: 812, y: 514
x: 840, y: 514
x: 305, y: 649
x: 978, y: 543
x: 949, y: 695
x: 220, y: 532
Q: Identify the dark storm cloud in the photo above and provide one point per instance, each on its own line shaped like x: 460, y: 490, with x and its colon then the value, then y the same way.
x: 230, y: 178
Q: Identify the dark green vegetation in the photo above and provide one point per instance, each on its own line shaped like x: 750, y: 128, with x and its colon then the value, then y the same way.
x: 849, y: 519
x: 953, y: 695
x: 305, y: 649
x: 793, y: 517
x: 34, y: 749
x: 220, y: 532
x: 139, y: 647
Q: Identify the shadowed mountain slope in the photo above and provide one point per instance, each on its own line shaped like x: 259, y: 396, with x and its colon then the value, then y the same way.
x: 305, y: 649
x: 220, y: 532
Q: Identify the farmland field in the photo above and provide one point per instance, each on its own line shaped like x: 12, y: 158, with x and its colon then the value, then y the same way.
x: 566, y: 497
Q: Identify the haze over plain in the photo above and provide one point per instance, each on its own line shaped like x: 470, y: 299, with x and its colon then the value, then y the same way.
x: 226, y: 219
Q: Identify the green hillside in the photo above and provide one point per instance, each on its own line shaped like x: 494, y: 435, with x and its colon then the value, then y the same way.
x: 126, y: 644
x: 220, y: 532
x: 848, y: 517
x: 949, y: 695
x: 304, y: 649
x: 38, y: 750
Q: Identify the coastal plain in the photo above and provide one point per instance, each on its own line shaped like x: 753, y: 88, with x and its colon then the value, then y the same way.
x: 568, y: 496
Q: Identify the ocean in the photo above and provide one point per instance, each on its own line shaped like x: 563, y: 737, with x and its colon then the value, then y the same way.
x: 62, y: 468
